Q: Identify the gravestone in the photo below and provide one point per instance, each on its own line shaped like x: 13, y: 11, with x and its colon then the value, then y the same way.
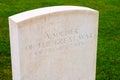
x: 54, y: 43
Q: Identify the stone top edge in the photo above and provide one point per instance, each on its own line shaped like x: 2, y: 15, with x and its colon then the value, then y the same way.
x: 46, y: 10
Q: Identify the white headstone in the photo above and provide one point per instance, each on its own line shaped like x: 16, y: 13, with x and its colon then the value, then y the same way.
x: 54, y: 43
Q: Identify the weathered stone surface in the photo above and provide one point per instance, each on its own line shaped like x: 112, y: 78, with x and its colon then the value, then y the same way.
x: 54, y: 43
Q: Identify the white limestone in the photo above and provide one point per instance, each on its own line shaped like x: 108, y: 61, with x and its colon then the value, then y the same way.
x: 54, y: 43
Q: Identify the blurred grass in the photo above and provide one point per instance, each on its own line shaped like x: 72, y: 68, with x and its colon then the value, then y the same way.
x: 108, y: 57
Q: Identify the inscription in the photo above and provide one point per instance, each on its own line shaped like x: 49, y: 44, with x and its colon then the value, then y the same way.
x: 59, y: 40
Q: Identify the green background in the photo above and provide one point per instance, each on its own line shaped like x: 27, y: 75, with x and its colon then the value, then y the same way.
x: 108, y: 54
